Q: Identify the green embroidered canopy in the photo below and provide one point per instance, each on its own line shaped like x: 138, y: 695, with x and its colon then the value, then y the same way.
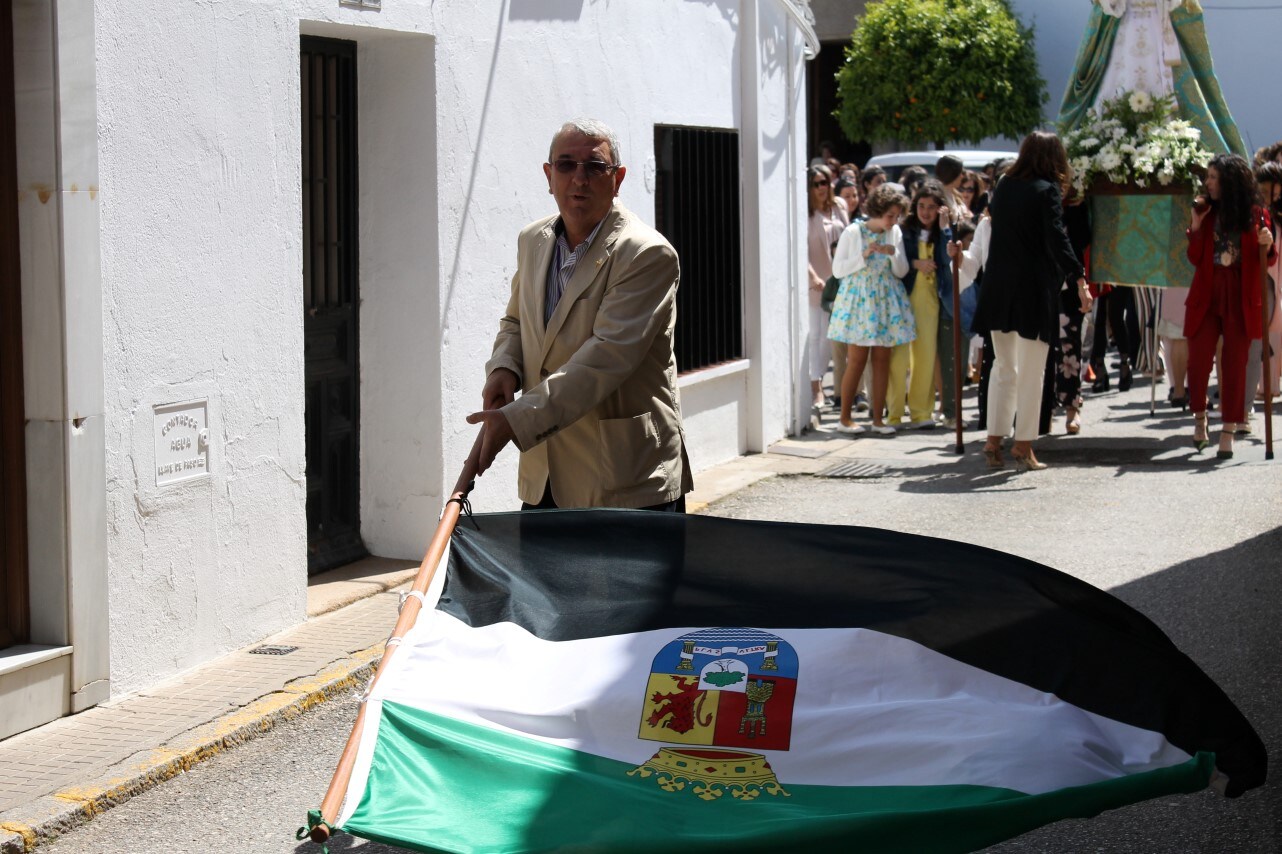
x: 1159, y: 46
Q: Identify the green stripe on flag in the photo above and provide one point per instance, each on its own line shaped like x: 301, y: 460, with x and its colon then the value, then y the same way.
x: 438, y: 784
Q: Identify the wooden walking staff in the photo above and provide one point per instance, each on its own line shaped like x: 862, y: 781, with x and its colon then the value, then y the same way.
x: 1152, y: 360
x: 960, y: 448
x: 1264, y: 349
x: 413, y: 604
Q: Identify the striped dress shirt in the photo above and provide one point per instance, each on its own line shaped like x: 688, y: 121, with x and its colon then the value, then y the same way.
x: 562, y: 267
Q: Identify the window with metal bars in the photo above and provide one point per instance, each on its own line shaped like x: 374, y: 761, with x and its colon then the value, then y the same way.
x: 696, y: 201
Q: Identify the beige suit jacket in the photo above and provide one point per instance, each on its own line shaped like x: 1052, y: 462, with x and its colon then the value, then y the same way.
x: 598, y: 415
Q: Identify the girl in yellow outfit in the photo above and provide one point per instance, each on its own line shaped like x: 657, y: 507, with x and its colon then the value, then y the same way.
x: 926, y: 236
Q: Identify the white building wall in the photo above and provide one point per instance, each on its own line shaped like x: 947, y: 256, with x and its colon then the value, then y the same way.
x: 199, y: 166
x: 684, y: 70
x: 200, y: 233
x: 400, y: 357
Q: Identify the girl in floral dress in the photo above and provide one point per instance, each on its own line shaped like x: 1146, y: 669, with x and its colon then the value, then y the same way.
x: 871, y: 314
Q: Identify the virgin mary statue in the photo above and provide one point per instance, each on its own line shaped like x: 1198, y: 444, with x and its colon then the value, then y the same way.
x: 1153, y: 46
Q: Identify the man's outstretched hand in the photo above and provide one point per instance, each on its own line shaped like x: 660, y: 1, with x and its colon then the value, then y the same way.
x: 496, y: 432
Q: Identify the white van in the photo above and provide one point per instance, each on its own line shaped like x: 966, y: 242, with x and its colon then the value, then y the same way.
x: 900, y: 160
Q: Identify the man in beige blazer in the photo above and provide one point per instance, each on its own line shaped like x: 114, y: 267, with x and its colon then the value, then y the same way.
x: 587, y: 338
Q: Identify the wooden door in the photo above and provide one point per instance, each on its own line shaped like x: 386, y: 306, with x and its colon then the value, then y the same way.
x: 14, y: 607
x: 331, y: 302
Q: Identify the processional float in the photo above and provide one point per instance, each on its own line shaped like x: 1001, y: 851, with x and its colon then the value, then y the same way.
x: 1141, y: 116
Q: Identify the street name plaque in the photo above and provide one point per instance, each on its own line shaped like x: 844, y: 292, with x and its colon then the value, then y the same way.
x: 182, y: 442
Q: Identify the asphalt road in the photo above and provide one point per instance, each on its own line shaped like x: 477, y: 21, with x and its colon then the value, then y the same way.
x: 1199, y: 554
x: 1193, y: 545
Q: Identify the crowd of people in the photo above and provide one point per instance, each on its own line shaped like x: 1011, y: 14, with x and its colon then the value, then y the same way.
x: 881, y: 260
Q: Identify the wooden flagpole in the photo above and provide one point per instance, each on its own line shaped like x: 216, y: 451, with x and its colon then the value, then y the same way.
x: 1264, y: 351
x: 958, y: 367
x: 409, y: 613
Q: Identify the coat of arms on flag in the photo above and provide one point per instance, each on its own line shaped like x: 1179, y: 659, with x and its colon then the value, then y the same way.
x: 722, y: 687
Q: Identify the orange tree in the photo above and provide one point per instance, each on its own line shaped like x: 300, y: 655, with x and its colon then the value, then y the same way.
x: 940, y: 71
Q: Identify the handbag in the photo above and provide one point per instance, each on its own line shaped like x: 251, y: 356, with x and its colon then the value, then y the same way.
x: 829, y: 296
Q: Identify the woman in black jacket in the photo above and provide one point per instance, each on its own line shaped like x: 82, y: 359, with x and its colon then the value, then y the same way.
x: 1028, y: 260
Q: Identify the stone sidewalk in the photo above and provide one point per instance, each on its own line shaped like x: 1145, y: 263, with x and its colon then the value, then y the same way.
x: 64, y: 773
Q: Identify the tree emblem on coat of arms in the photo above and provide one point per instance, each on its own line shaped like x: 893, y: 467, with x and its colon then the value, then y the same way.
x: 712, y: 694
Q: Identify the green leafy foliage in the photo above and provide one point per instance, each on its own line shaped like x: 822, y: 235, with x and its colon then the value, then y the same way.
x: 721, y: 680
x: 940, y: 71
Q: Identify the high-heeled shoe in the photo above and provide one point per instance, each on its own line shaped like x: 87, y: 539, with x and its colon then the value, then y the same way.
x: 1223, y: 453
x: 1125, y: 376
x: 1027, y: 462
x: 1200, y: 440
x: 1073, y: 422
x: 994, y: 456
x: 1181, y: 402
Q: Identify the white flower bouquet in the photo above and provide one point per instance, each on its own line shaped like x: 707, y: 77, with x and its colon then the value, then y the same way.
x: 1135, y: 138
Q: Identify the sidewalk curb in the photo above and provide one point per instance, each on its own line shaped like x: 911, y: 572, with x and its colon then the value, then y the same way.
x: 48, y: 817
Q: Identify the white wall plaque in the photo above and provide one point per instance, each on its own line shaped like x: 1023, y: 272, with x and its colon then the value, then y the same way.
x: 182, y: 442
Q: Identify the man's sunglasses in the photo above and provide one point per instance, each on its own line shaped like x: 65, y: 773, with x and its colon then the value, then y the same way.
x: 594, y: 168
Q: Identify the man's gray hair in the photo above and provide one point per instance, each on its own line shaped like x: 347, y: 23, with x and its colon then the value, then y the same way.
x: 592, y: 129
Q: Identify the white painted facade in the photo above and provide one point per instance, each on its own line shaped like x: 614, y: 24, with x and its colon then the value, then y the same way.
x: 160, y: 221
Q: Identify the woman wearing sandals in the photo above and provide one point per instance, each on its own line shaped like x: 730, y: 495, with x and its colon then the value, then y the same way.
x: 1227, y: 232
x: 1028, y: 260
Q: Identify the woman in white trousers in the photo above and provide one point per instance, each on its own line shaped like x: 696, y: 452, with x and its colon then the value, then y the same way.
x: 1029, y: 259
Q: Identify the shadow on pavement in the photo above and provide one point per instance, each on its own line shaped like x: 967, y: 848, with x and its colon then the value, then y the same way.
x: 1222, y: 609
x: 973, y: 475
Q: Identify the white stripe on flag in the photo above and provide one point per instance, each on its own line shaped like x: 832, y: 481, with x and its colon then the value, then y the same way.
x: 871, y: 709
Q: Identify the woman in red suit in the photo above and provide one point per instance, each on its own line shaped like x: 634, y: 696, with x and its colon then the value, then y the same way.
x: 1228, y: 230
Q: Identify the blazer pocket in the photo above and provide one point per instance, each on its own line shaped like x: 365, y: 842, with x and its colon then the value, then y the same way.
x: 630, y: 451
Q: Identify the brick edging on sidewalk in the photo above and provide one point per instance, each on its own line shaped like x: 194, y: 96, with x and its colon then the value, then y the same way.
x: 51, y: 816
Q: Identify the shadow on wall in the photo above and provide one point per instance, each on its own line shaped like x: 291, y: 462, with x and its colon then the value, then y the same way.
x: 773, y: 33
x: 476, y: 159
x: 545, y: 10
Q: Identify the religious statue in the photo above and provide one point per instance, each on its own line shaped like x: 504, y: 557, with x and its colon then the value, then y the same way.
x: 1153, y: 46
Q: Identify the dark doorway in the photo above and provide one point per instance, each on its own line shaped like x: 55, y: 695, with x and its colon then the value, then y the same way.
x: 331, y: 303
x: 821, y: 103
x: 15, y: 621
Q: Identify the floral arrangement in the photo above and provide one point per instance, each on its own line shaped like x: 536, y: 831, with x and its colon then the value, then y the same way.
x: 1135, y: 138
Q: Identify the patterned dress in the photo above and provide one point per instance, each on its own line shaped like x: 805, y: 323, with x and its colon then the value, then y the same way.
x: 872, y: 309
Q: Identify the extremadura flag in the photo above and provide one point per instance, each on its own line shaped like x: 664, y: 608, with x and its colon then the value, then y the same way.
x: 614, y: 680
